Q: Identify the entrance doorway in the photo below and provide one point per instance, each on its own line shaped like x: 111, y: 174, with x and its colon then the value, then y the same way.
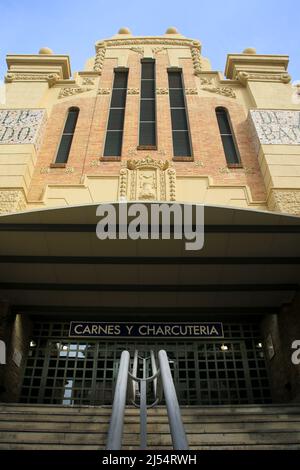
x: 68, y: 371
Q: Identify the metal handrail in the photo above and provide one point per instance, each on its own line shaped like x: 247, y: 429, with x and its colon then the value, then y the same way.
x: 114, y: 441
x: 178, y: 435
x: 115, y: 432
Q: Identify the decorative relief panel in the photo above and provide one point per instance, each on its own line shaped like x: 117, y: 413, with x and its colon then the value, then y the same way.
x: 275, y: 127
x: 147, y: 180
x: 12, y: 201
x: 22, y: 126
x: 100, y: 56
x: 68, y: 91
x: 286, y: 201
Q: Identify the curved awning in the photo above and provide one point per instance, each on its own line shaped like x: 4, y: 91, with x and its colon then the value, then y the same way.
x: 52, y: 258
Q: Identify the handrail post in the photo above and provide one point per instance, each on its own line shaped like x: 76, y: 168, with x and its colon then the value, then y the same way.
x: 178, y: 435
x: 114, y: 440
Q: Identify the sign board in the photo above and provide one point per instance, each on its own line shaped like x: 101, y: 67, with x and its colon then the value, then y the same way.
x: 22, y: 126
x: 145, y: 330
x: 276, y: 127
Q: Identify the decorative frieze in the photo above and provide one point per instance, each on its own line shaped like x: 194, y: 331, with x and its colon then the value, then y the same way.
x: 51, y: 78
x: 88, y: 81
x: 138, y: 50
x: 191, y: 91
x: 147, y: 179
x: 104, y: 91
x: 275, y: 127
x: 220, y: 90
x: 244, y: 77
x: 70, y: 91
x: 22, y: 126
x: 206, y: 80
x: 46, y: 170
x: 157, y: 50
x: 133, y: 91
x: 162, y: 91
x: 196, y: 58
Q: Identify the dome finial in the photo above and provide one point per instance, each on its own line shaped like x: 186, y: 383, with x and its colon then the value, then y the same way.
x: 124, y: 30
x: 45, y: 51
x: 172, y: 30
x: 249, y: 50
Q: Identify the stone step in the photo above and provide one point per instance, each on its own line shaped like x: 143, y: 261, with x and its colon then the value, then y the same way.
x: 190, y: 428
x: 203, y: 410
x: 134, y: 418
x: 156, y: 439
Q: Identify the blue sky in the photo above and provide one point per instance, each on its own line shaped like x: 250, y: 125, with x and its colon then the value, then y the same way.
x: 72, y: 27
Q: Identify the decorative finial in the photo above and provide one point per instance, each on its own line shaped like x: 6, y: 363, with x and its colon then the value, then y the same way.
x: 249, y: 50
x: 124, y: 30
x: 45, y: 51
x: 172, y: 30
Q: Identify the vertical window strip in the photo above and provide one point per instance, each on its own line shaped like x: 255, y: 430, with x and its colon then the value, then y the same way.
x: 115, y: 127
x: 180, y: 130
x: 67, y: 136
x: 147, y: 134
x: 228, y: 140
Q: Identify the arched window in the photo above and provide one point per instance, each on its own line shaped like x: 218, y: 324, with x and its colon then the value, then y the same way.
x: 227, y: 136
x: 67, y: 136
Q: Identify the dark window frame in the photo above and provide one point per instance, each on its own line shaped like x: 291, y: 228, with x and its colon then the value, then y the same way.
x: 62, y: 164
x: 110, y: 132
x: 141, y: 145
x: 189, y: 155
x: 231, y: 134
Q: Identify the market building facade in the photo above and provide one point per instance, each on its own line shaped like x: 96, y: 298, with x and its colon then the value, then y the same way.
x: 148, y: 121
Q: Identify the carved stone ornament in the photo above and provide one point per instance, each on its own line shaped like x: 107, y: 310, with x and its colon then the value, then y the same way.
x: 206, y: 80
x: 148, y: 180
x: 191, y: 91
x: 157, y: 50
x: 162, y: 91
x: 244, y: 77
x: 100, y: 56
x: 51, y: 78
x: 88, y: 81
x: 133, y: 91
x: 220, y: 90
x: 70, y: 91
x: 104, y: 91
x: 196, y: 57
x: 138, y: 50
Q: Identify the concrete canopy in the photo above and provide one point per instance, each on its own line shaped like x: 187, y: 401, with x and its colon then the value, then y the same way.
x: 52, y: 259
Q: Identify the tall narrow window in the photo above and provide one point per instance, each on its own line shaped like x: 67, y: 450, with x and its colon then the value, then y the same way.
x: 114, y: 135
x: 180, y: 131
x: 228, y: 140
x: 67, y: 136
x: 147, y: 109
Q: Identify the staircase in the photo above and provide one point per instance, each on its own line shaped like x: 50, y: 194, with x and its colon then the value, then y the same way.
x: 50, y: 427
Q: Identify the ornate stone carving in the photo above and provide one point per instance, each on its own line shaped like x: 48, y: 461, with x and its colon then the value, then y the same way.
x: 133, y: 91
x: 162, y: 91
x: 12, y: 201
x: 138, y: 50
x: 249, y: 170
x: 157, y: 50
x: 22, y: 126
x: 104, y: 91
x: 284, y: 200
x: 191, y: 91
x: 199, y: 163
x: 244, y: 77
x: 148, y: 41
x: 70, y: 91
x: 44, y: 170
x: 51, y: 78
x: 275, y: 127
x: 147, y: 179
x: 100, y: 56
x: 196, y: 58
x: 132, y: 153
x: 206, y: 80
x: 220, y: 90
x: 88, y: 81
